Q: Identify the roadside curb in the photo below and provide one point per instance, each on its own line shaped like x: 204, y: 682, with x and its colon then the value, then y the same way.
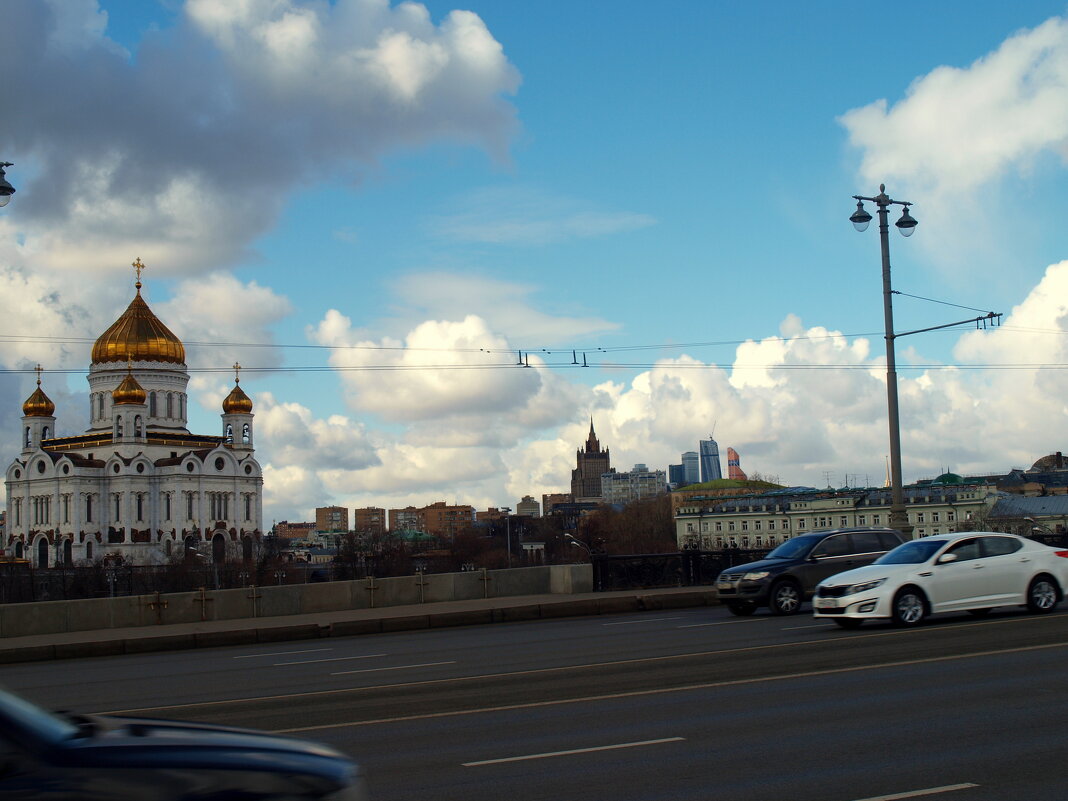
x: 151, y: 641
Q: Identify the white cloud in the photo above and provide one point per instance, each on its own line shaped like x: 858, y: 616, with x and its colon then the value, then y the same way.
x: 185, y: 154
x: 530, y: 217
x: 959, y: 129
x: 441, y: 368
x: 221, y: 312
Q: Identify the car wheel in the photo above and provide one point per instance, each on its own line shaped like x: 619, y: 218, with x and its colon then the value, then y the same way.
x: 742, y: 608
x: 848, y: 622
x: 785, y: 598
x: 980, y: 612
x: 909, y: 607
x: 1042, y: 595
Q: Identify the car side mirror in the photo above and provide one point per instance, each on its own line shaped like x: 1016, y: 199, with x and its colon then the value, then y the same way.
x: 946, y: 558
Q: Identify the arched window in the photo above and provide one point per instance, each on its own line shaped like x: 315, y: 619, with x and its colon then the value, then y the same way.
x: 44, y: 433
x: 181, y: 406
x: 152, y: 404
x: 118, y: 427
x: 29, y: 439
x: 229, y: 433
x: 170, y: 405
x: 68, y: 553
x: 140, y: 506
x: 137, y: 426
x: 18, y: 549
x: 246, y: 433
x: 218, y: 549
x: 89, y: 550
x: 100, y: 405
x: 42, y: 552
x: 88, y: 508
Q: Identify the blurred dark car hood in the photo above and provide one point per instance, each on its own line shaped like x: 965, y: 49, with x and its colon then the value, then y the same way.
x: 145, y: 743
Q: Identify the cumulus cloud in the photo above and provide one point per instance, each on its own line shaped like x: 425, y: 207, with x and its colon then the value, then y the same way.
x: 525, y: 216
x: 442, y: 367
x: 961, y: 128
x: 184, y: 153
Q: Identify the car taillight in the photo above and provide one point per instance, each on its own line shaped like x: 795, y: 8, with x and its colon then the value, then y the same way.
x: 1062, y: 553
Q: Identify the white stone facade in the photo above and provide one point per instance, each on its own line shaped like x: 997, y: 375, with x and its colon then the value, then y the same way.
x: 137, y: 485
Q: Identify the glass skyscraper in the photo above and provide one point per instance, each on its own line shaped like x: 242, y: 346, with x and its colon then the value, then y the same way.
x: 710, y: 467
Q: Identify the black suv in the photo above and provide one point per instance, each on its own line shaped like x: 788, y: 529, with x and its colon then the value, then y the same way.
x: 788, y: 576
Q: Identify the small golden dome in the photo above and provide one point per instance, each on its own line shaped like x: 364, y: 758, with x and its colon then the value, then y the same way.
x: 138, y: 335
x: 38, y: 404
x: 129, y: 391
x: 237, y: 402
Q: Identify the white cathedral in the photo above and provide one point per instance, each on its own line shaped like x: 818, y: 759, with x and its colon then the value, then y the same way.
x: 136, y: 486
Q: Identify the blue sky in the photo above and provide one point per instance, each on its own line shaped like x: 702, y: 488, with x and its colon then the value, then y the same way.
x: 592, y: 175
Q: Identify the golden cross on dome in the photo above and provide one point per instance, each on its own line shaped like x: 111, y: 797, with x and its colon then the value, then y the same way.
x: 237, y: 373
x: 137, y: 265
x: 38, y: 370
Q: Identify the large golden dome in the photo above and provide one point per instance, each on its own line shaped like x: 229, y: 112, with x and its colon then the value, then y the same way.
x: 138, y: 335
x: 38, y: 404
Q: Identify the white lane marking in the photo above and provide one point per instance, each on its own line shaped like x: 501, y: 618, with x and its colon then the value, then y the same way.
x: 798, y: 628
x: 725, y: 623
x: 396, y: 667
x: 588, y: 665
x: 658, y: 691
x: 646, y: 620
x: 329, y: 659
x: 548, y: 754
x: 282, y: 653
x: 948, y: 788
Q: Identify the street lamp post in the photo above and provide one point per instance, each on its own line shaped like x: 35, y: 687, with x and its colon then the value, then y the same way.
x: 860, y: 219
x: 508, y: 530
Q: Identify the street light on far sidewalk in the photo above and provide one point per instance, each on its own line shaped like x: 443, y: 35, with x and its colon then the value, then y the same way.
x: 860, y: 219
x: 573, y: 540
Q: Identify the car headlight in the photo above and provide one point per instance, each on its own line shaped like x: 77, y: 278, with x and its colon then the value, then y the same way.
x: 864, y: 586
x: 756, y: 575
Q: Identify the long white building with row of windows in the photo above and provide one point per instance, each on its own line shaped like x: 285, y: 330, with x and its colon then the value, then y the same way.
x: 766, y: 519
x: 137, y: 486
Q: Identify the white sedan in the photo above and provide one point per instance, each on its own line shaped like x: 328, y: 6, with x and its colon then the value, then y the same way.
x: 972, y: 572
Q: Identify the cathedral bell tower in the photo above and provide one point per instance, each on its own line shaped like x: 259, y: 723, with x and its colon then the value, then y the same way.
x: 129, y: 409
x: 237, y: 416
x: 38, y: 418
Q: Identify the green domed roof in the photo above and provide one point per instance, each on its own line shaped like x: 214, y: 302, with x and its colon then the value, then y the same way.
x: 948, y: 478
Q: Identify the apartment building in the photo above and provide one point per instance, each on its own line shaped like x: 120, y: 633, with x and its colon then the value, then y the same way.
x: 765, y: 520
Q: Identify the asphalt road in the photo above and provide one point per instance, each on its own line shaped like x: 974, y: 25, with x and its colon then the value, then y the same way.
x: 687, y: 704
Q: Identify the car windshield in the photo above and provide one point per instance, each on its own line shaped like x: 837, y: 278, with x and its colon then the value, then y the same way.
x: 20, y: 715
x: 911, y: 553
x: 791, y: 549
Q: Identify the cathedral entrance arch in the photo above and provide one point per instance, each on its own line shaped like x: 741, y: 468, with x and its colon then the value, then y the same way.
x: 218, y: 548
x: 42, y: 552
x: 68, y: 553
x: 18, y: 549
x: 246, y: 548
